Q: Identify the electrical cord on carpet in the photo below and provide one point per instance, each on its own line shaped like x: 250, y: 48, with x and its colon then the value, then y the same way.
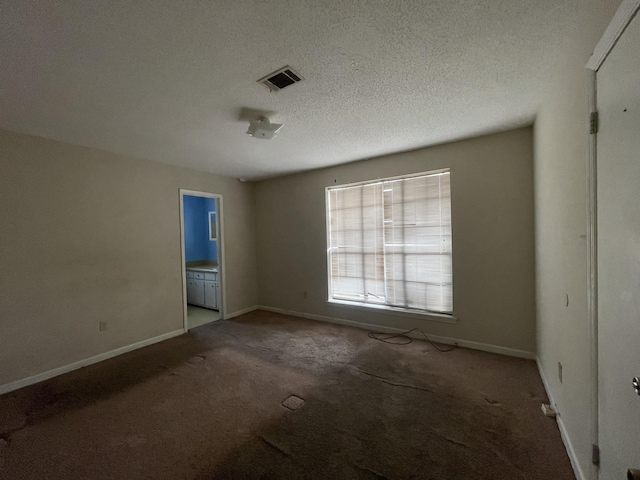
x: 405, y: 339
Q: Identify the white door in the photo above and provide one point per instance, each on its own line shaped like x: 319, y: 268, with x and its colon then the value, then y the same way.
x: 618, y: 179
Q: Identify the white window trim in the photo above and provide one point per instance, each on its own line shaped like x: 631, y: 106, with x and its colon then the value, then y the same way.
x: 391, y: 310
x: 397, y: 311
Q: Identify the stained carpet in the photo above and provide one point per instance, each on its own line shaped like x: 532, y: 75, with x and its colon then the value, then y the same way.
x: 209, y: 404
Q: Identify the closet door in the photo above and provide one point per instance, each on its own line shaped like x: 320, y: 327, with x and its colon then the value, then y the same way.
x: 618, y: 197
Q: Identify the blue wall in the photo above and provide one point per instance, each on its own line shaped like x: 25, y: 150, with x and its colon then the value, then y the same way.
x: 197, y: 245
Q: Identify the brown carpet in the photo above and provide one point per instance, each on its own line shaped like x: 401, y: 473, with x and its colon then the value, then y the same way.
x: 208, y: 404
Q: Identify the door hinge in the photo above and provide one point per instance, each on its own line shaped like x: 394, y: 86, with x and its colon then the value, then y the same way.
x: 593, y: 123
x: 595, y: 455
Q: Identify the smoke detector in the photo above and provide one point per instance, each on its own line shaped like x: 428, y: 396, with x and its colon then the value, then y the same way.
x: 263, y: 128
x: 281, y: 79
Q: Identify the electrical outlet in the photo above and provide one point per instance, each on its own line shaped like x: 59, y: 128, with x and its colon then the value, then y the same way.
x: 560, y: 372
x: 304, y: 295
x: 103, y: 326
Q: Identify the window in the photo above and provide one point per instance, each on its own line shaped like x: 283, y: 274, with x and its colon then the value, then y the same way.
x: 213, y: 229
x: 389, y: 243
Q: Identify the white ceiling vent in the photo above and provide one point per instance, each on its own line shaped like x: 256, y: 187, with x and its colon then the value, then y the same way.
x: 280, y: 79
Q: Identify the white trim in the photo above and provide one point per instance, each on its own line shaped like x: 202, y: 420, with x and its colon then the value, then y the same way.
x: 327, y: 223
x: 399, y: 312
x: 428, y: 173
x: 446, y: 318
x: 592, y: 267
x: 485, y: 347
x: 563, y: 431
x: 571, y: 453
x: 240, y: 312
x: 183, y: 264
x: 9, y: 387
x: 222, y: 271
x: 622, y: 18
x: 213, y: 236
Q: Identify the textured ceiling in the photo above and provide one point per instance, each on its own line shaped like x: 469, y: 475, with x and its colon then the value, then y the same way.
x: 168, y: 80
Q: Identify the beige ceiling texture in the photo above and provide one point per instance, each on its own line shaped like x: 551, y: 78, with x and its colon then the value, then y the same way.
x: 168, y: 79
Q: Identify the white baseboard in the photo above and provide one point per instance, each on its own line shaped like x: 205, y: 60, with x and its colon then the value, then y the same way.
x: 240, y: 312
x: 563, y: 430
x: 512, y: 352
x: 9, y: 387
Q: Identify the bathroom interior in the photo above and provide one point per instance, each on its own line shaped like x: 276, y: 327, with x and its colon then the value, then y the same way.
x: 202, y: 255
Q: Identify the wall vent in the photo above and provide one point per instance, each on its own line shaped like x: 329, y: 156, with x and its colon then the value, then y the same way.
x: 281, y: 79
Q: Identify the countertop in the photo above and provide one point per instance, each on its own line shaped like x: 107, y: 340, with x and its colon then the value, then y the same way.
x: 203, y: 268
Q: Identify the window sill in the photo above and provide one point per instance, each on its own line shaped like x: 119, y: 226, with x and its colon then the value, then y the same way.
x: 399, y: 312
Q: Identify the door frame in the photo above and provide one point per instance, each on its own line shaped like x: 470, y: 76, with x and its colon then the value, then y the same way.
x: 623, y: 16
x: 220, y: 251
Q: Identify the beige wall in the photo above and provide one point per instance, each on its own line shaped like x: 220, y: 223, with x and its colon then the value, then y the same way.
x: 560, y: 145
x: 91, y: 236
x: 492, y: 202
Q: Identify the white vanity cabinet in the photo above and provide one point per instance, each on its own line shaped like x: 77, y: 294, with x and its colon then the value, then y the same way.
x: 210, y: 294
x: 203, y: 288
x: 191, y: 291
x: 195, y: 292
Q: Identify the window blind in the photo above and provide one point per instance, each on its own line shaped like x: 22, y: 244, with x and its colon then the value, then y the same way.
x: 389, y: 242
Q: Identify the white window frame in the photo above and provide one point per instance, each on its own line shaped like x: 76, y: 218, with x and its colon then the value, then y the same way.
x: 446, y: 317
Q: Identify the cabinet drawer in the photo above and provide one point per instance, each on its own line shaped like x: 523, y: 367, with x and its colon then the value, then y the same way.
x: 211, y: 276
x: 189, y: 274
x: 198, y: 275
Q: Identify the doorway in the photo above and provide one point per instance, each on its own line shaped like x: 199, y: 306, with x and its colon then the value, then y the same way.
x: 202, y: 257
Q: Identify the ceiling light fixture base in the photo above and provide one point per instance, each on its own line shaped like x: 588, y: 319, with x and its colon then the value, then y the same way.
x: 263, y: 128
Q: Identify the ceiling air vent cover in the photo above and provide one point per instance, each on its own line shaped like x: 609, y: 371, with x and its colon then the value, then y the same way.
x: 280, y: 79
